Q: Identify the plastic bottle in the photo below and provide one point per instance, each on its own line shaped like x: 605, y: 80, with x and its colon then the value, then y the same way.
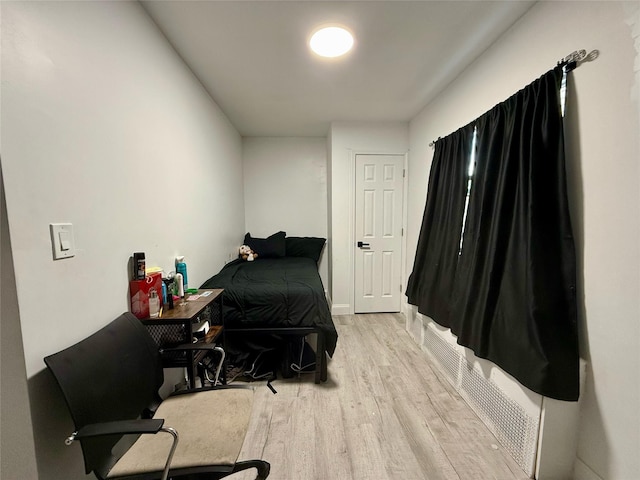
x: 154, y: 303
x: 181, y: 268
x: 179, y: 285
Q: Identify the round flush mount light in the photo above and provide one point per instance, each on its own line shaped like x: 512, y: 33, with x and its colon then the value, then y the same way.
x: 331, y: 41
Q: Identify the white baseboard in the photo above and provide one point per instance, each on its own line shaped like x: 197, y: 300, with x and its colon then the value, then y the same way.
x: 341, y: 309
x: 582, y: 472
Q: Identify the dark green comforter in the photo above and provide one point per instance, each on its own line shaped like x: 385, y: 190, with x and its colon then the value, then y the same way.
x: 275, y: 293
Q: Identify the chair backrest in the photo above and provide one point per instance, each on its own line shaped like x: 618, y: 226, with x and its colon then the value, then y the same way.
x: 114, y: 374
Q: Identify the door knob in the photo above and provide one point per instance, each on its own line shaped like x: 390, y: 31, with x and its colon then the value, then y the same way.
x: 363, y: 245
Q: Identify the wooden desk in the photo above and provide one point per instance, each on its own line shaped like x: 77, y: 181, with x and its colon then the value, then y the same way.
x: 176, y: 327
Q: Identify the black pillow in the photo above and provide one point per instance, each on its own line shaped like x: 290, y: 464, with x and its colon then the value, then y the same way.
x: 273, y: 246
x: 310, y: 247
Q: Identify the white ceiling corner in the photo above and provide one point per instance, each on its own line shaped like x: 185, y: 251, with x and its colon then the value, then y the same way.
x: 253, y: 59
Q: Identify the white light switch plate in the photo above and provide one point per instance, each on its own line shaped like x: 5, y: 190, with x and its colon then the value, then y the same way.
x: 62, y: 241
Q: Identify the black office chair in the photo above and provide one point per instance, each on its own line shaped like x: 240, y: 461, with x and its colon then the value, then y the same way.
x: 110, y: 382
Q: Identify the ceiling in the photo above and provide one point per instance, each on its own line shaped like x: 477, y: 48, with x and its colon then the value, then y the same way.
x: 252, y: 56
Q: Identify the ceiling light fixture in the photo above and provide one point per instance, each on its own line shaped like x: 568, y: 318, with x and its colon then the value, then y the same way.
x: 331, y: 41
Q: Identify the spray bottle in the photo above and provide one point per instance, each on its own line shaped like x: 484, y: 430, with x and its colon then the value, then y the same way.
x: 181, y: 268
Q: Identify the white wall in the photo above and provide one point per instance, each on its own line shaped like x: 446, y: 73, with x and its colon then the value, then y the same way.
x: 17, y: 450
x: 285, y: 188
x: 328, y: 249
x: 103, y: 126
x: 346, y: 140
x: 602, y: 165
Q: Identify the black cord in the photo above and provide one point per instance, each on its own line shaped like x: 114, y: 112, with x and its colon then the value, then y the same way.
x: 271, y: 387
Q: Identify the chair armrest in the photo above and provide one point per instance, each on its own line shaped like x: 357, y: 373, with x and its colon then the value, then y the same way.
x: 121, y: 427
x: 149, y: 425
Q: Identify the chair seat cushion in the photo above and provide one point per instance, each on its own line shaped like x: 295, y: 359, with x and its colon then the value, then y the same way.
x: 211, y: 427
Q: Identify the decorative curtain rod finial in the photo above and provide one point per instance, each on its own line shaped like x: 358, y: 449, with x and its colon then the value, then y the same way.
x: 580, y: 56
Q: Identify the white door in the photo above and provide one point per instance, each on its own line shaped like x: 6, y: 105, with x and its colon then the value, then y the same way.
x: 378, y: 233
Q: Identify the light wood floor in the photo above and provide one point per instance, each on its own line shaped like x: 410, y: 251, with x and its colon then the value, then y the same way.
x: 386, y: 412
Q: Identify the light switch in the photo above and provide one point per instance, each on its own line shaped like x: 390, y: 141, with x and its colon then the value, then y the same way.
x: 65, y: 241
x: 62, y: 242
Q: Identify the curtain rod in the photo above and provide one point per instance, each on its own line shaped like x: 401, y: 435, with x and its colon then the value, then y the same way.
x: 572, y: 61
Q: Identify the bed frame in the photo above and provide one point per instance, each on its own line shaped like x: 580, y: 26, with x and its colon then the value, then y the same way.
x: 321, y: 354
x: 280, y: 296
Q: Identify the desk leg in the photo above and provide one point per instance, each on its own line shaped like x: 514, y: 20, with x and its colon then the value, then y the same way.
x: 191, y: 372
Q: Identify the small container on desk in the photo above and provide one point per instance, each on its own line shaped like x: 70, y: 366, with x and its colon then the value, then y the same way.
x: 176, y: 327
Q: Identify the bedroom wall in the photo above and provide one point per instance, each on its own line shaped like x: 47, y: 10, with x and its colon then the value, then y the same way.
x: 103, y: 126
x: 285, y: 188
x: 603, y: 180
x: 346, y: 140
x: 328, y: 249
x: 17, y: 451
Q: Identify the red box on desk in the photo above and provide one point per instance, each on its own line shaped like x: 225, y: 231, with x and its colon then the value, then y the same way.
x: 139, y: 293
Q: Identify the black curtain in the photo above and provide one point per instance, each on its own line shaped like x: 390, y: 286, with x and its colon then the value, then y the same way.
x: 495, y: 260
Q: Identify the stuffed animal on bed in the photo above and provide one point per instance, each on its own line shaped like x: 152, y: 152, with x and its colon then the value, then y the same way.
x: 247, y: 254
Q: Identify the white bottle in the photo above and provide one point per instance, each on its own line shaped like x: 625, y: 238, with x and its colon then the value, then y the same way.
x: 179, y: 285
x: 154, y: 303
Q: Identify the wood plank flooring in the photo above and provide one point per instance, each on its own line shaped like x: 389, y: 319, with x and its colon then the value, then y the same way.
x: 386, y: 413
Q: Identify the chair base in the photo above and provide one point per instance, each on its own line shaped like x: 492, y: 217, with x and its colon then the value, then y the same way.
x: 263, y: 468
x: 210, y: 473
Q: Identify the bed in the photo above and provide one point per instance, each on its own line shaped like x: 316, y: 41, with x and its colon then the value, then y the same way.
x: 277, y: 296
